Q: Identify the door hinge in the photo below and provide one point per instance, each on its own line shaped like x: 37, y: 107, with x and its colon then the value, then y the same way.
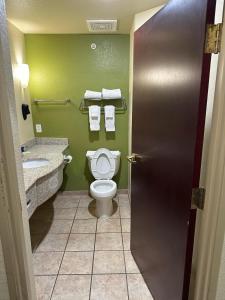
x: 213, y: 38
x: 198, y: 198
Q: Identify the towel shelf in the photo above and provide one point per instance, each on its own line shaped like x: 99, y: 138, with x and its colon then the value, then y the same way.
x: 121, y: 109
x: 54, y: 102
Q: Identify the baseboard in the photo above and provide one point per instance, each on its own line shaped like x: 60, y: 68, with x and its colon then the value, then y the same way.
x: 86, y: 192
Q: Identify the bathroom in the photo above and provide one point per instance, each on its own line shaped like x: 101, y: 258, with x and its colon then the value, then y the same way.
x: 90, y: 228
x: 63, y: 66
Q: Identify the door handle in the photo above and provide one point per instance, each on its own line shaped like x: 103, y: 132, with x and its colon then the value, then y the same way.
x: 133, y: 158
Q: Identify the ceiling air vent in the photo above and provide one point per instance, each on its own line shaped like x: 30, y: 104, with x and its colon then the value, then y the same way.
x: 102, y: 25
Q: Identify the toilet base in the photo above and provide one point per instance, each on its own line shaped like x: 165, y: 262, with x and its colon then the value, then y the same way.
x: 104, y: 207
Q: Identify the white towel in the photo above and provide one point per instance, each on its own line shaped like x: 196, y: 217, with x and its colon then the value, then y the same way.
x: 109, y: 117
x: 111, y: 94
x: 94, y: 117
x: 92, y: 95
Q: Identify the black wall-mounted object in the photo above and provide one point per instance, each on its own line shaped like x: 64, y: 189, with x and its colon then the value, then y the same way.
x: 25, y: 110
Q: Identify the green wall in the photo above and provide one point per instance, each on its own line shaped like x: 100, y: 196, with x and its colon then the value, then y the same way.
x: 64, y: 66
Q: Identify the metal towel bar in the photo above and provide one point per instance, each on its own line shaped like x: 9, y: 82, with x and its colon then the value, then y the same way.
x: 39, y: 101
x: 84, y: 107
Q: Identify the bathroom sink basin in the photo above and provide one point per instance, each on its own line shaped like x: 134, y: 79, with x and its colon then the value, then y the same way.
x: 35, y: 163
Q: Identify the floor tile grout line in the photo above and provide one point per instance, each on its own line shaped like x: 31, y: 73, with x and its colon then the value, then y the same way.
x: 124, y: 259
x: 88, y: 274
x: 69, y: 235
x: 96, y: 226
x: 107, y: 250
x: 64, y: 252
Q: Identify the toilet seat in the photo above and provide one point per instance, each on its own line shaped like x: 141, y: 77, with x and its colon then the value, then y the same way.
x: 103, y: 188
x: 103, y: 164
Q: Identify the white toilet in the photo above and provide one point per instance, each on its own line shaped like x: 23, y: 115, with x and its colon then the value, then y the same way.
x: 104, y: 164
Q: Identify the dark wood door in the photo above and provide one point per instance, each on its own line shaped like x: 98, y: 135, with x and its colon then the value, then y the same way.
x: 171, y: 75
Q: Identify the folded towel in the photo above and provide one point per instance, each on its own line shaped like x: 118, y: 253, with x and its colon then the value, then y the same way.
x: 111, y: 94
x: 94, y: 117
x: 92, y: 95
x: 109, y: 117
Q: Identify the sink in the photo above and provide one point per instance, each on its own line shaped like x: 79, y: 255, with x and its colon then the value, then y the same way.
x: 35, y: 163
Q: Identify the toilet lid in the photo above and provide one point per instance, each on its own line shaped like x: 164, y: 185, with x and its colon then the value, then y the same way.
x: 103, y: 164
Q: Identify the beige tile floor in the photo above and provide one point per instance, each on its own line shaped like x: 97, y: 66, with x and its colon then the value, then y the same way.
x: 79, y: 257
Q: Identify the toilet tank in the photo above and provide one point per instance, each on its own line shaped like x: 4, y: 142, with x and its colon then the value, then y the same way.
x: 116, y: 155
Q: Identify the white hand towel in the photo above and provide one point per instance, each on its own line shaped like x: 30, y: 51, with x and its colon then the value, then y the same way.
x: 111, y: 94
x: 92, y: 95
x: 94, y: 117
x: 109, y: 117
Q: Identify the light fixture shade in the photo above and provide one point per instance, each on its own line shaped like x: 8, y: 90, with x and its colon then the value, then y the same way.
x: 24, y: 75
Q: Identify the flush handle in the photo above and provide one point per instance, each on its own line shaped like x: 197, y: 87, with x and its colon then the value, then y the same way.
x: 133, y: 158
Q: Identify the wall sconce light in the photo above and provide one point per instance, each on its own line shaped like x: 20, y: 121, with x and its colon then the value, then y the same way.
x: 24, y: 75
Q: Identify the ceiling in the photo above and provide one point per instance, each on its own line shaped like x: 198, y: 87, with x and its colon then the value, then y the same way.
x: 69, y: 16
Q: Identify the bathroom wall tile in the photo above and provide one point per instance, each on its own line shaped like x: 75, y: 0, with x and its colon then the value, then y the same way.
x: 71, y: 287
x: 131, y: 266
x: 126, y: 240
x: 137, y: 288
x: 65, y: 202
x: 108, y: 225
x: 47, y: 263
x: 84, y: 226
x: 124, y: 212
x: 125, y: 225
x: 51, y: 141
x: 64, y: 213
x: 83, y: 213
x: 110, y: 287
x: 108, y: 262
x: 81, y: 242
x: 108, y: 241
x: 53, y: 242
x: 77, y: 263
x: 44, y: 286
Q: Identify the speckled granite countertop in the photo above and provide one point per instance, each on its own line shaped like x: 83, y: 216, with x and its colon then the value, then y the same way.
x: 53, y: 152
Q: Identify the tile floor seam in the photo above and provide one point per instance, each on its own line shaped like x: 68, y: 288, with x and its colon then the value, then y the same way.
x: 96, y: 226
x: 124, y: 259
x: 64, y: 253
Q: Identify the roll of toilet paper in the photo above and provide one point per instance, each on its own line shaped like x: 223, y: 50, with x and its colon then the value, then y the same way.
x: 67, y: 159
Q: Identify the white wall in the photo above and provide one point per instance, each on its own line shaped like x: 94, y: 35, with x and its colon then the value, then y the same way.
x: 17, y: 49
x: 139, y: 20
x: 4, y: 293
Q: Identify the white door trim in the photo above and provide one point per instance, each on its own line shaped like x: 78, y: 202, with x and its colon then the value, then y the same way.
x: 212, y: 227
x: 14, y: 226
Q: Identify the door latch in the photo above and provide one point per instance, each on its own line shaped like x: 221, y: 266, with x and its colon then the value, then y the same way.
x: 198, y: 198
x: 133, y: 158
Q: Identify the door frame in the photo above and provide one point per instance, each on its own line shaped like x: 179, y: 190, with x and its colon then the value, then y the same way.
x: 210, y: 244
x: 14, y: 225
x: 15, y: 231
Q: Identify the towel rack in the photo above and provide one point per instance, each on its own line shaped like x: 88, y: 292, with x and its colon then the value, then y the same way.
x: 39, y: 101
x: 84, y: 107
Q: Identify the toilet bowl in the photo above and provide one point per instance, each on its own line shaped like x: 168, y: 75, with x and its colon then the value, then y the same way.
x: 104, y: 164
x: 103, y: 191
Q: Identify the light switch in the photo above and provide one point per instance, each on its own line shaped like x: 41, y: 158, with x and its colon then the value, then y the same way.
x: 38, y: 128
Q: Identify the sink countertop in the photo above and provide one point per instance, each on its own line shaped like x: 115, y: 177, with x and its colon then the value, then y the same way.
x: 54, y: 153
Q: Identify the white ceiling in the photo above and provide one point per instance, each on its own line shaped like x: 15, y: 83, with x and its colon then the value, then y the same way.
x: 69, y: 16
